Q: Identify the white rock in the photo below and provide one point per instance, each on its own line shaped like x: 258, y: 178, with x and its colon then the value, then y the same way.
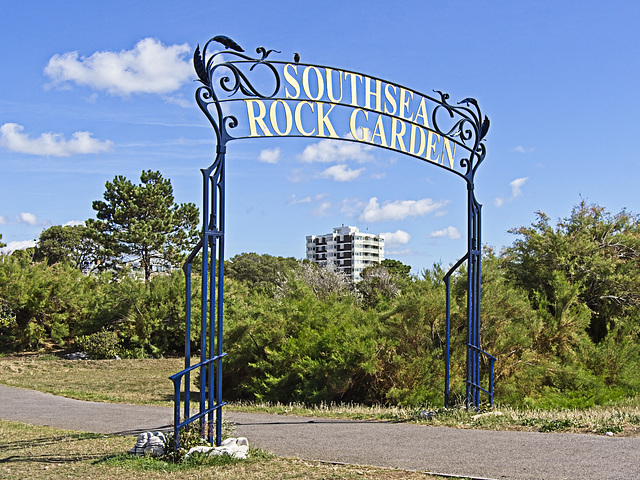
x: 150, y: 443
x: 154, y: 451
x: 234, y: 447
x: 199, y: 449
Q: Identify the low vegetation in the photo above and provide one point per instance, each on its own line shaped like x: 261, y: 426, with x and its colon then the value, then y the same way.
x: 145, y: 382
x: 560, y: 311
x: 34, y: 452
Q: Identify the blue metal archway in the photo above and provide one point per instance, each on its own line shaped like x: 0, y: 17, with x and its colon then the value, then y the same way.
x: 293, y: 99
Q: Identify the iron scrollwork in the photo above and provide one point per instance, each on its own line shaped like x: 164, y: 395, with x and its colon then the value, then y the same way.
x: 233, y: 82
x: 471, y: 128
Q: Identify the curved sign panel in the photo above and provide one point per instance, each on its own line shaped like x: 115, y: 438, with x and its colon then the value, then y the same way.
x: 246, y: 97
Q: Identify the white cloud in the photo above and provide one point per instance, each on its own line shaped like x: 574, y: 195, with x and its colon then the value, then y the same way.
x: 326, y: 151
x: 178, y: 100
x: 516, y: 187
x: 449, y: 232
x: 351, y: 207
x: 269, y: 155
x: 321, y: 206
x: 322, y: 210
x: 516, y: 191
x: 399, y: 237
x: 341, y: 173
x: 521, y: 149
x: 399, y: 209
x: 74, y: 223
x: 294, y: 200
x: 150, y: 67
x: 22, y: 218
x: 18, y: 245
x: 50, y: 144
x: 28, y: 218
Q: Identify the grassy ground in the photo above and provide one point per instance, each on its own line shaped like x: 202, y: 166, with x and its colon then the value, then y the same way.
x: 140, y: 382
x: 145, y: 382
x: 43, y: 452
x: 35, y: 453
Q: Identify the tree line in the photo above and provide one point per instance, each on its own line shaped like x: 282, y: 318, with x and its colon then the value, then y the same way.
x: 560, y: 309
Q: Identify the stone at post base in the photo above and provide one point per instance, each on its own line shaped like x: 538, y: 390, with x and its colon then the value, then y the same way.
x: 234, y: 447
x: 152, y: 444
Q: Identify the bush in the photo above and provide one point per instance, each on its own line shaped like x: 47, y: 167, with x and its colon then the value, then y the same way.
x: 99, y: 345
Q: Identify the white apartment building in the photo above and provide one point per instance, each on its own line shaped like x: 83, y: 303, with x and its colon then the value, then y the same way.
x: 350, y: 250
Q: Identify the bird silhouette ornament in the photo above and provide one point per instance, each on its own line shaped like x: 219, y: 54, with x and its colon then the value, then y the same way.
x: 198, y: 59
x: 227, y: 42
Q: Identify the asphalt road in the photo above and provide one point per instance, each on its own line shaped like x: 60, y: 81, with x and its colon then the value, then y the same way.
x: 477, y: 454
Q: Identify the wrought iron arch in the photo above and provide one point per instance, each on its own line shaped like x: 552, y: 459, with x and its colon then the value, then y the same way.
x: 225, y: 78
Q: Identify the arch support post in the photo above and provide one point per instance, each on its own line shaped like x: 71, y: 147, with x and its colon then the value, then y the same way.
x: 477, y: 358
x: 211, y: 249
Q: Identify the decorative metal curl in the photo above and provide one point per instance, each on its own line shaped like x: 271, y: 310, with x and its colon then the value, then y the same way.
x: 471, y: 129
x: 239, y: 81
x: 233, y: 82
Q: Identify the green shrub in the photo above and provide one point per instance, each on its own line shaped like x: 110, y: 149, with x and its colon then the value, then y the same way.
x: 99, y: 345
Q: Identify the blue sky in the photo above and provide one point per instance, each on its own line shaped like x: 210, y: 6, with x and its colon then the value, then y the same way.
x: 89, y: 91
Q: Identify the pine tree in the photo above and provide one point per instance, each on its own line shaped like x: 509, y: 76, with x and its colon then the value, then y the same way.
x: 142, y: 223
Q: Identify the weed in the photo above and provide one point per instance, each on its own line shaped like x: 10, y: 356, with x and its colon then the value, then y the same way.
x: 604, y: 429
x: 558, y: 425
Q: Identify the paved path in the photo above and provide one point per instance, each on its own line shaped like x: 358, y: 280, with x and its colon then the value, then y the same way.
x: 473, y: 453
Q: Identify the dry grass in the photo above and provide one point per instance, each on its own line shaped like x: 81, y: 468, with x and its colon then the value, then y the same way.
x: 34, y: 452
x: 145, y: 382
x: 139, y: 382
x: 621, y: 419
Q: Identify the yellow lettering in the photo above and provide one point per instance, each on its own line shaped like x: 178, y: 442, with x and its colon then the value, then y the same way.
x: 404, y: 103
x: 422, y: 112
x: 306, y: 86
x: 328, y: 72
x: 395, y: 135
x: 298, y: 118
x: 431, y: 146
x: 412, y: 140
x: 292, y: 81
x: 391, y: 99
x: 377, y: 94
x: 378, y: 131
x: 323, y: 121
x: 352, y: 125
x: 259, y: 119
x: 451, y: 152
x: 354, y: 92
x: 274, y: 118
